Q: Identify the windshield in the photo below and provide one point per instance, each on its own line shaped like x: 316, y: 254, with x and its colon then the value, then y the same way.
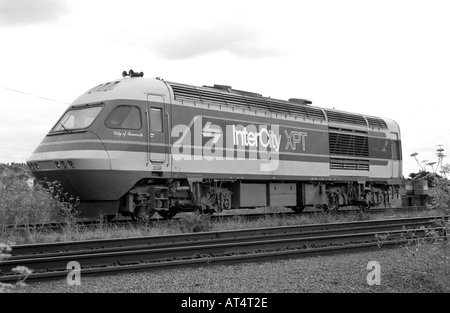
x: 77, y: 118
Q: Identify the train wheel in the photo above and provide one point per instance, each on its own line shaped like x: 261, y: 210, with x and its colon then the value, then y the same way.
x: 140, y: 214
x: 150, y: 212
x: 367, y: 202
x: 333, y: 208
x: 206, y: 210
x: 168, y: 214
x: 364, y: 206
x: 297, y: 209
x: 107, y: 218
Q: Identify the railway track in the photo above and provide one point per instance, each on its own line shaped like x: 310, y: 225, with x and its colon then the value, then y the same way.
x: 251, y: 216
x: 49, y: 261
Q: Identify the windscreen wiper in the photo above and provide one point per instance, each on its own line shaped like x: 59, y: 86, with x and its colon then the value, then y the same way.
x: 64, y: 127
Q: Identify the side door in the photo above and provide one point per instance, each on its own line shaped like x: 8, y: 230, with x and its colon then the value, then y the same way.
x: 157, y: 130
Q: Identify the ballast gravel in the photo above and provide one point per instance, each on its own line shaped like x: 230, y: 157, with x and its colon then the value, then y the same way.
x: 400, y: 271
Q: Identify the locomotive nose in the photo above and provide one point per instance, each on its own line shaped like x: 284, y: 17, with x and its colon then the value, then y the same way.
x: 77, y: 160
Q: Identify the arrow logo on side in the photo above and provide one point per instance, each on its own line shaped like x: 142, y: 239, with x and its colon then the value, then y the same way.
x: 212, y: 131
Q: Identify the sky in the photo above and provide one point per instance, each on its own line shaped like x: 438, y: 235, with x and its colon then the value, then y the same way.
x: 386, y: 58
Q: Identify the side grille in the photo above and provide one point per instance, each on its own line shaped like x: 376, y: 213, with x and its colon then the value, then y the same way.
x: 348, y: 144
x: 349, y: 164
x: 214, y: 96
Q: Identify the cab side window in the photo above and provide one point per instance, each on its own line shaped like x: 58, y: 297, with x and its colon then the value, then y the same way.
x: 124, y: 117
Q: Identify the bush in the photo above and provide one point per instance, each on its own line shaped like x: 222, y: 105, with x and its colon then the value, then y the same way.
x: 22, y: 204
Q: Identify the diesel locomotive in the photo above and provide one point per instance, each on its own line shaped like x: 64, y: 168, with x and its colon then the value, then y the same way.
x: 135, y: 146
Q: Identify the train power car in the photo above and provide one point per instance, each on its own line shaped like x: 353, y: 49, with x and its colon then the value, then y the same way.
x: 135, y: 146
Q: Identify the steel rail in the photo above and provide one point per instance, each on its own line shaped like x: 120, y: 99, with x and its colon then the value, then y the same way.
x: 90, y: 245
x: 188, y: 240
x: 202, y: 251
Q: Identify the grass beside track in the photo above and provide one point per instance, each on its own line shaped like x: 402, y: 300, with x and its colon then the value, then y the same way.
x: 190, y: 222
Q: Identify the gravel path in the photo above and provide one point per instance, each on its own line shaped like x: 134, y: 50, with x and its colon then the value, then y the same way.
x: 401, y: 271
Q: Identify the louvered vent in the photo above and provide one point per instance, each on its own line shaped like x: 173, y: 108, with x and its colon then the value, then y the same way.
x: 306, y: 110
x: 103, y: 87
x: 349, y: 164
x: 346, y: 144
x: 210, y: 95
x: 376, y: 122
x: 347, y: 118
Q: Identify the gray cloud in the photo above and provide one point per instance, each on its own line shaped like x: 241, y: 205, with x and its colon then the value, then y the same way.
x: 186, y: 44
x: 15, y: 13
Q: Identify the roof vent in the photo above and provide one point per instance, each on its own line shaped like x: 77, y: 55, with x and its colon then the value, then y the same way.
x: 300, y: 101
x: 222, y: 87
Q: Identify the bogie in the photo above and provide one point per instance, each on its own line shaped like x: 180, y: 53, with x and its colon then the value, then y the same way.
x: 214, y: 196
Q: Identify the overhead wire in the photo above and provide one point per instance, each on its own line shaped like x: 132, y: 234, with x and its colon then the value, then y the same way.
x: 29, y: 94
